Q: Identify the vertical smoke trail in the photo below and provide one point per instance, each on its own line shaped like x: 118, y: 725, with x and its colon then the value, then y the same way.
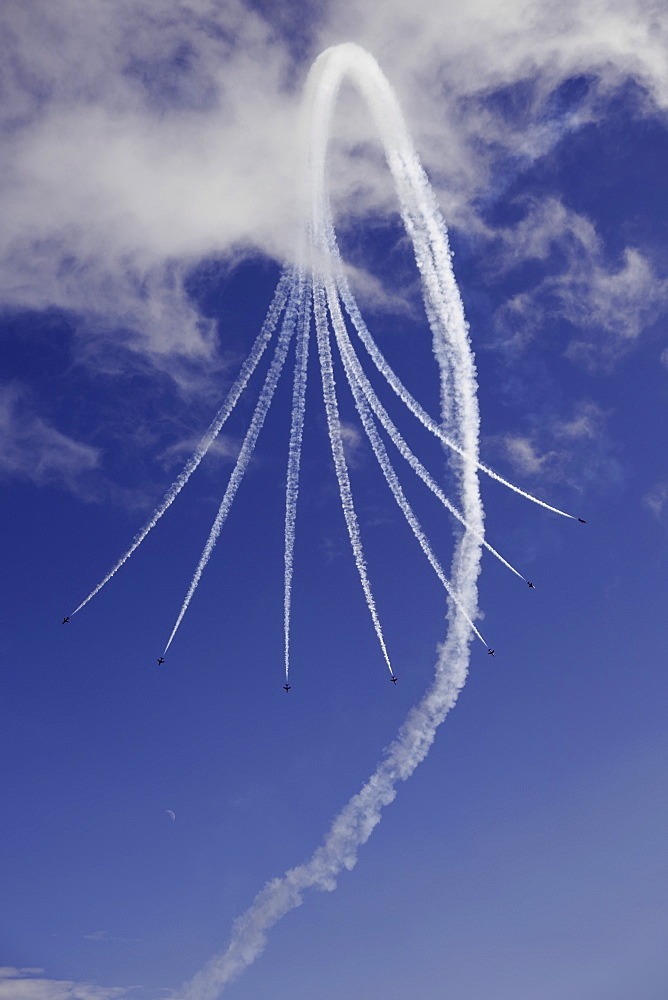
x: 383, y: 458
x: 257, y: 421
x: 424, y: 224
x: 247, y: 369
x: 338, y: 454
x: 294, y: 460
x: 355, y: 823
x: 351, y: 359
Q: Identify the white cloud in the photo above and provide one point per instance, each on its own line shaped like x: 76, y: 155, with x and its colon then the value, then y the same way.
x: 9, y: 972
x: 353, y: 444
x: 136, y: 143
x: 102, y: 936
x: 609, y: 303
x: 32, y: 449
x: 139, y: 139
x: 442, y: 57
x: 657, y: 499
x: 571, y: 450
x: 523, y: 454
x: 223, y: 450
x: 586, y: 422
x: 15, y: 985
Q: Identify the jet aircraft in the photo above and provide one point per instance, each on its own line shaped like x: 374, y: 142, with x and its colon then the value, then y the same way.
x: 491, y: 652
x: 393, y: 679
x: 66, y: 619
x: 531, y: 585
x: 582, y: 520
x: 287, y: 687
x: 161, y: 659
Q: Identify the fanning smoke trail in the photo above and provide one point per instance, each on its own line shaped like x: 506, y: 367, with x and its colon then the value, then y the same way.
x: 412, y: 404
x: 383, y: 458
x: 292, y: 312
x: 355, y: 823
x: 294, y: 461
x: 338, y: 454
x: 247, y: 369
x: 352, y: 361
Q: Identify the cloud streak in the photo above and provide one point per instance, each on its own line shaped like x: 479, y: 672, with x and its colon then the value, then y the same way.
x: 27, y: 984
x: 34, y: 450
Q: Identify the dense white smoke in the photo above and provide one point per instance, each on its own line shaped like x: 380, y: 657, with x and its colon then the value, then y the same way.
x: 354, y: 825
x: 317, y: 288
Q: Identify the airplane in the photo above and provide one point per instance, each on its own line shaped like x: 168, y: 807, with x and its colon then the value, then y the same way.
x: 531, y: 585
x: 393, y: 679
x: 65, y: 620
x: 287, y: 687
x: 491, y: 652
x: 582, y: 520
x: 161, y: 659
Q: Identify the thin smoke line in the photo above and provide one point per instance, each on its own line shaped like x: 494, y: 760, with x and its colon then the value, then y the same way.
x: 232, y: 398
x: 257, y: 422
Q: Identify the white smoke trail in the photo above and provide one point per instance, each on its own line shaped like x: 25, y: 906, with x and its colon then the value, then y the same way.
x: 357, y: 820
x: 355, y: 823
x: 348, y: 352
x: 412, y: 404
x: 294, y: 461
x: 259, y: 415
x: 338, y: 454
x: 247, y: 369
x: 383, y: 458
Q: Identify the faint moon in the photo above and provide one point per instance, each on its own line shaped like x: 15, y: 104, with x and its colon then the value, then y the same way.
x: 172, y: 815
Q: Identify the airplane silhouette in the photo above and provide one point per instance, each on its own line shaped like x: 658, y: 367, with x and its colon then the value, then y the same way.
x: 491, y: 652
x: 287, y: 687
x: 582, y: 520
x: 65, y: 620
x: 393, y: 679
x: 531, y: 585
x: 161, y: 659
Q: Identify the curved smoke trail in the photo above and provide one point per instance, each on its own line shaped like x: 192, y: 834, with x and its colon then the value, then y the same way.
x: 383, y: 459
x: 412, y: 404
x: 355, y: 372
x: 292, y: 313
x: 338, y: 454
x: 247, y: 369
x: 355, y: 823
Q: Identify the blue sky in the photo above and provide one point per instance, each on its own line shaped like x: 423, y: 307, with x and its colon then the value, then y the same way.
x: 148, y: 198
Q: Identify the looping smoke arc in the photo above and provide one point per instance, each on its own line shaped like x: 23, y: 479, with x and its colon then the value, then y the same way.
x: 316, y: 290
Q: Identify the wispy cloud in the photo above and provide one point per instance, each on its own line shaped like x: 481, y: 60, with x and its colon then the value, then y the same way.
x: 609, y: 301
x: 586, y: 423
x: 171, y: 142
x: 175, y: 139
x: 103, y: 936
x: 32, y: 449
x: 353, y: 444
x: 573, y: 450
x: 657, y: 499
x: 446, y: 61
x: 21, y: 984
x: 223, y: 450
x: 10, y: 972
